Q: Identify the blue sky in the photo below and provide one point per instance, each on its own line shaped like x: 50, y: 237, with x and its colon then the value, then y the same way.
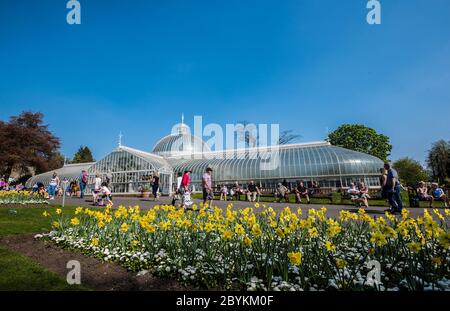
x: 135, y: 66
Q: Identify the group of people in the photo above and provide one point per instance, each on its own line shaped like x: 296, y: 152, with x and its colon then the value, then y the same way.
x: 182, y: 189
x: 252, y: 192
x: 101, y: 194
x: 359, y: 194
x: 12, y: 185
x: 391, y: 188
x: 431, y: 192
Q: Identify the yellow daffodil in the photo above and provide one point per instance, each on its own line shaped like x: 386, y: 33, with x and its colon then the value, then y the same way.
x: 227, y: 235
x: 239, y: 229
x: 341, y: 263
x: 313, y: 232
x: 414, y: 247
x: 330, y: 247
x: 256, y: 230
x: 247, y: 241
x: 124, y: 227
x: 378, y: 238
x: 295, y: 258
x: 444, y: 240
x: 58, y: 211
x: 75, y: 221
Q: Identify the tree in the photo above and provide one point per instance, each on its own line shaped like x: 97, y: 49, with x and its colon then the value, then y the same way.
x: 287, y: 137
x: 56, y: 161
x: 247, y: 132
x: 361, y: 138
x: 83, y: 155
x: 410, y: 171
x: 438, y: 160
x: 26, y: 143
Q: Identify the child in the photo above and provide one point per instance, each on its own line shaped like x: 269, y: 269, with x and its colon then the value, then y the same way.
x: 106, y: 194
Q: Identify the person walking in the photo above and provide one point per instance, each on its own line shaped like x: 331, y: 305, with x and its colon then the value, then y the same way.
x: 393, y: 190
x: 184, y: 188
x: 176, y: 193
x: 108, y: 179
x: 155, y: 186
x: 208, y: 193
x: 83, y: 183
x: 97, y: 188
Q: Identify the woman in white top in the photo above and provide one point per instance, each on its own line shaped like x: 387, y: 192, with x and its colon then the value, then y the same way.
x: 97, y: 188
x: 53, y: 185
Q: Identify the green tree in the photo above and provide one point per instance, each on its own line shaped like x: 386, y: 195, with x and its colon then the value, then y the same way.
x: 438, y: 160
x: 25, y: 142
x: 83, y: 155
x: 410, y: 171
x: 361, y: 138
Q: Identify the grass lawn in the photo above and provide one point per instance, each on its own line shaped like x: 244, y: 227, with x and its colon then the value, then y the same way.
x: 23, y: 220
x: 21, y: 273
x: 18, y: 272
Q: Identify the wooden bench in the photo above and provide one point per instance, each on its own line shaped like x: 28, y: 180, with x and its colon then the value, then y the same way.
x: 321, y: 193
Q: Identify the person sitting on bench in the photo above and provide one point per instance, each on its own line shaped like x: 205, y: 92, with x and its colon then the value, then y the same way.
x: 281, y: 192
x: 301, y: 191
x: 439, y: 194
x: 353, y: 192
x: 252, y: 191
x: 422, y: 193
x: 237, y: 191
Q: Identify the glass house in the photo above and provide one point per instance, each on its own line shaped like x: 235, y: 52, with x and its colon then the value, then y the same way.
x: 132, y: 169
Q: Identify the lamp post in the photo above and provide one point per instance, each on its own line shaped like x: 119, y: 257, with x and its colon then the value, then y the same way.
x: 64, y: 191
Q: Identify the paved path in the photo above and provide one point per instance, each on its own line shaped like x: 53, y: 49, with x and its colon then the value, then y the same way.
x: 332, y: 210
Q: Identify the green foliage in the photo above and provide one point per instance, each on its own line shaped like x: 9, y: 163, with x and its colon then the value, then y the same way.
x: 336, y: 198
x: 363, y: 139
x: 23, y: 220
x: 410, y: 171
x: 83, y: 155
x: 26, y: 142
x: 439, y: 160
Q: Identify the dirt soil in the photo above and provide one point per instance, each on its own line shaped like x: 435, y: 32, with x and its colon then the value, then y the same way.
x: 95, y: 274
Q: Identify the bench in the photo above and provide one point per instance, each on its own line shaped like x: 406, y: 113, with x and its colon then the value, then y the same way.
x: 321, y: 193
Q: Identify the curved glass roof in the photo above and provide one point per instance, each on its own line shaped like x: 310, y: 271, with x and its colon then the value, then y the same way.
x: 314, y: 160
x: 126, y: 159
x: 180, y: 144
x: 68, y: 171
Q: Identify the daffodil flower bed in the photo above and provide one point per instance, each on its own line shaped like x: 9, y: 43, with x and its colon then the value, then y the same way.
x: 21, y: 197
x: 259, y: 249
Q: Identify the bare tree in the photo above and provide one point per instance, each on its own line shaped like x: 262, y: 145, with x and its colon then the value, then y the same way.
x: 287, y: 137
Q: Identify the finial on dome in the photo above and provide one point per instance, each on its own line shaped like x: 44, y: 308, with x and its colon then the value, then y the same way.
x: 120, y: 139
x: 182, y: 118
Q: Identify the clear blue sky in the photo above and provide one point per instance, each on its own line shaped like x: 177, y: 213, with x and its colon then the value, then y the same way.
x: 134, y: 66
